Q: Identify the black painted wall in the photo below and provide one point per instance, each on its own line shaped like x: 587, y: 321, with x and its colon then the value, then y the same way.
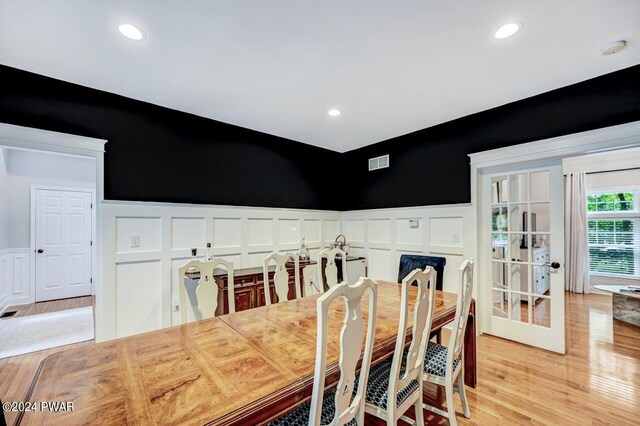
x: 431, y: 166
x: 158, y: 154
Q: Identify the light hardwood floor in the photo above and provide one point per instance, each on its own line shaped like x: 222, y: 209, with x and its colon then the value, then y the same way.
x: 17, y: 372
x: 597, y: 382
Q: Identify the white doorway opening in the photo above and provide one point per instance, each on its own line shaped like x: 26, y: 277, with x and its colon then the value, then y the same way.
x: 506, y: 161
x: 33, y: 160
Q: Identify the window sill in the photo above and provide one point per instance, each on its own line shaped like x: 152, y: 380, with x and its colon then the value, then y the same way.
x: 611, y: 279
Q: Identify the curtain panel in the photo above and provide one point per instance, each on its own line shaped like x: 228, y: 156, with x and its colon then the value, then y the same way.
x: 576, y: 278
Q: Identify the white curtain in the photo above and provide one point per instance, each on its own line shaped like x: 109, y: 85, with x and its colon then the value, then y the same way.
x: 575, y: 234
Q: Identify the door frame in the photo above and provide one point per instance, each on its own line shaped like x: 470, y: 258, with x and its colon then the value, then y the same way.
x: 544, y: 150
x: 33, y: 189
x: 32, y: 139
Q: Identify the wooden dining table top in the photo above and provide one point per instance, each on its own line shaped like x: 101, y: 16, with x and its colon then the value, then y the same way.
x: 223, y: 370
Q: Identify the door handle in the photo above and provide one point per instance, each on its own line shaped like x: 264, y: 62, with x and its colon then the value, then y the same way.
x: 40, y: 251
x: 554, y: 265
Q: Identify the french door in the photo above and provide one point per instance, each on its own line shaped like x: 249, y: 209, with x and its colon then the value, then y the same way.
x: 63, y: 244
x: 523, y: 244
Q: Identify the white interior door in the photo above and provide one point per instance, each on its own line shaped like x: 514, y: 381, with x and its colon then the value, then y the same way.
x: 63, y: 244
x: 523, y: 228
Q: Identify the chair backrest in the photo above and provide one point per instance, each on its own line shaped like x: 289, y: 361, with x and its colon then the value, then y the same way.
x: 462, y: 311
x: 351, y: 337
x: 422, y: 318
x: 281, y: 276
x: 409, y: 262
x: 331, y: 269
x: 207, y: 289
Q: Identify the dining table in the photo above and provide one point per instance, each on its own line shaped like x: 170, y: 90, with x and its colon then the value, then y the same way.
x: 246, y: 367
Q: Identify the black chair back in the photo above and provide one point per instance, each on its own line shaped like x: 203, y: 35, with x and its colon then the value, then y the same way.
x: 409, y: 262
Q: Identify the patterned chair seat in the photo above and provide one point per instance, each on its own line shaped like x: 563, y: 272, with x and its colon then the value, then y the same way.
x: 435, y: 361
x: 300, y: 416
x: 379, y: 384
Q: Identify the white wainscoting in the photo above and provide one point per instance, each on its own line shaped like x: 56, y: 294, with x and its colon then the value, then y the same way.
x: 383, y: 235
x: 139, y: 285
x: 14, y: 278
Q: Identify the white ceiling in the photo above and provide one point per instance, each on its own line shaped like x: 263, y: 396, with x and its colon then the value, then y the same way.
x: 392, y: 67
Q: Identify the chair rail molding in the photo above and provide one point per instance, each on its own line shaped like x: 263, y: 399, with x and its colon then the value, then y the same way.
x: 145, y: 244
x: 383, y: 235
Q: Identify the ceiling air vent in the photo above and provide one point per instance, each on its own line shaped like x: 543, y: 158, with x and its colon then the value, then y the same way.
x: 379, y: 162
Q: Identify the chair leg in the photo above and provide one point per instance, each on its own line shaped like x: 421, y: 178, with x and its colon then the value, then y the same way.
x: 419, y: 413
x: 418, y: 406
x: 438, y: 338
x: 450, y: 406
x: 391, y: 415
x: 463, y: 395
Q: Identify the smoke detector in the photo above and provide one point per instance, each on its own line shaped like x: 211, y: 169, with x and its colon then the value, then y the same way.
x: 613, y: 48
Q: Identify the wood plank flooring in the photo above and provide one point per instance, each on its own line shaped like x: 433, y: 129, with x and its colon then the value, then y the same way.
x: 597, y: 382
x: 51, y: 306
x: 16, y: 373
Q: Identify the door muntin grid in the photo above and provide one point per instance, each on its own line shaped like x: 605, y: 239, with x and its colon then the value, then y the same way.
x: 520, y: 244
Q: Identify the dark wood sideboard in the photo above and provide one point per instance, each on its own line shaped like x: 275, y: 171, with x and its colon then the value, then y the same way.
x: 249, y: 286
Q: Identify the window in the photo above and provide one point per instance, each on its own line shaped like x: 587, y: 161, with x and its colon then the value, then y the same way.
x: 614, y: 234
x: 610, y: 202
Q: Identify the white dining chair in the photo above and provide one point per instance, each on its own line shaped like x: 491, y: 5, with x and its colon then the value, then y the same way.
x: 207, y: 289
x: 396, y: 385
x: 340, y: 407
x: 444, y: 366
x: 280, y: 276
x: 331, y: 269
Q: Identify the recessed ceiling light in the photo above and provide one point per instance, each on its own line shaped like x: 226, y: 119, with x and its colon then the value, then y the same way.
x: 334, y: 112
x: 507, y: 30
x: 131, y: 32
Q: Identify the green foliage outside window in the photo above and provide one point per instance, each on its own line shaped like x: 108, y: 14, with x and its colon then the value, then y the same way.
x: 614, y: 202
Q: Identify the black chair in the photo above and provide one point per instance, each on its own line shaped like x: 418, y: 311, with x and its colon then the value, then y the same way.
x: 409, y: 262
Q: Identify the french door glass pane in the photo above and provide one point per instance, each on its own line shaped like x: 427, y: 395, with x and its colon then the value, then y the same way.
x: 499, y: 275
x: 516, y: 212
x: 539, y: 218
x: 541, y: 312
x: 499, y: 219
x: 499, y: 246
x: 518, y: 278
x: 499, y: 190
x: 500, y: 303
x: 540, y: 186
x: 519, y: 307
x: 515, y: 245
x: 518, y: 188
